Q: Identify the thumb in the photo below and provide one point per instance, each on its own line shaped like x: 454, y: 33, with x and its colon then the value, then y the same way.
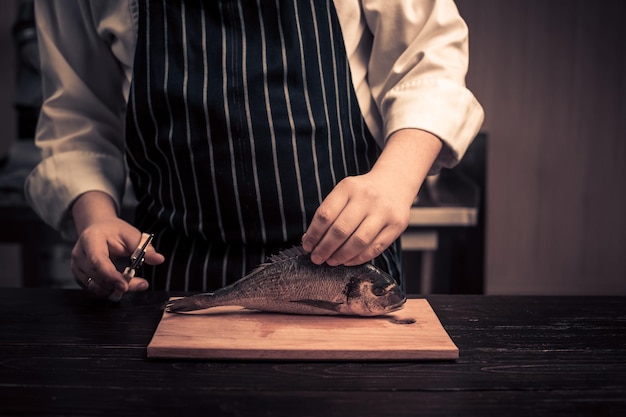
x: 152, y: 257
x: 138, y: 284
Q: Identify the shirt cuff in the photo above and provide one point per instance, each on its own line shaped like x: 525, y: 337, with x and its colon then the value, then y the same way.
x: 58, y: 180
x: 439, y: 106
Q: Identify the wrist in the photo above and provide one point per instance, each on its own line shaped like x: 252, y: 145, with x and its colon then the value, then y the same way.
x: 92, y: 207
x: 407, y: 157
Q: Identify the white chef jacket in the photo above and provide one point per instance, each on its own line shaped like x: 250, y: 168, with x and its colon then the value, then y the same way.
x: 408, y: 61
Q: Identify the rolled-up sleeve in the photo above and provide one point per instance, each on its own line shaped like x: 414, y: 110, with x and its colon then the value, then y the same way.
x: 411, y: 57
x: 86, y: 59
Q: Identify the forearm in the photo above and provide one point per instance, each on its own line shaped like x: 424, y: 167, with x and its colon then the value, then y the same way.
x: 416, y: 68
x: 85, y: 65
x: 406, y: 160
x: 92, y: 207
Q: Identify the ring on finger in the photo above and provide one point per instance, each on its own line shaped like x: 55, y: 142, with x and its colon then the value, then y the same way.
x: 88, y: 282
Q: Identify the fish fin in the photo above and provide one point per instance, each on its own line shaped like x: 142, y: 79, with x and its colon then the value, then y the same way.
x: 283, y: 255
x: 321, y: 304
x: 289, y: 253
x: 190, y: 303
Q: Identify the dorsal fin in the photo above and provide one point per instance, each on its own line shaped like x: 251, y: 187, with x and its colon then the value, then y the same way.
x: 283, y: 255
x: 286, y: 254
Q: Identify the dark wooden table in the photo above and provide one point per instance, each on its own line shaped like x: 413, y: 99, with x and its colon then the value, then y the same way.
x: 63, y: 352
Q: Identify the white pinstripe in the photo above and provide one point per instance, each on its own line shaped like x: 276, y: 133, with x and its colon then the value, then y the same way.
x: 154, y: 122
x: 268, y: 112
x: 229, y: 133
x: 246, y: 96
x: 205, y: 89
x: 188, y: 266
x: 225, y: 266
x: 187, y: 123
x: 205, y: 268
x: 348, y: 85
x: 336, y: 83
x: 171, y: 129
x: 143, y: 145
x: 308, y: 108
x: 291, y: 121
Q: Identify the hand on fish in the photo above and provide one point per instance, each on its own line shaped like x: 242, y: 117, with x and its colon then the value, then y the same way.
x: 290, y: 283
x: 364, y: 214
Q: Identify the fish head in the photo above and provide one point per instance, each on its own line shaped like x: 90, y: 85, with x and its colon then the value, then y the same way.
x: 372, y: 292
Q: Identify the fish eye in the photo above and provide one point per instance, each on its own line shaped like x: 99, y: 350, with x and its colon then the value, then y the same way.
x: 378, y: 291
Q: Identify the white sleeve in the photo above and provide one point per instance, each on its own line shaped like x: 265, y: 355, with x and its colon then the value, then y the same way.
x: 414, y: 64
x: 86, y: 52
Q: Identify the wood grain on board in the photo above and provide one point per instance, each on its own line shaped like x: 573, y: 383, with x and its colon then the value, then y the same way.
x: 236, y: 333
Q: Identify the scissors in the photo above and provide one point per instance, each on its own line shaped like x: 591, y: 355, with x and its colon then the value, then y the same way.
x: 136, y: 260
x: 138, y: 256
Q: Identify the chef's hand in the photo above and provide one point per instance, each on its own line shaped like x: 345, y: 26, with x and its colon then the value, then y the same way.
x: 104, y: 237
x: 365, y: 214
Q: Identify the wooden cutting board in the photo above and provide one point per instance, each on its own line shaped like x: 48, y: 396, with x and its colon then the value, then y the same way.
x: 236, y: 333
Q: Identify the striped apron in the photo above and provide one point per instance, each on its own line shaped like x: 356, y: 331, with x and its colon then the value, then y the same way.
x: 241, y: 118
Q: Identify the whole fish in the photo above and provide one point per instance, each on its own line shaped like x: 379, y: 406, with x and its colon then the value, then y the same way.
x: 290, y: 283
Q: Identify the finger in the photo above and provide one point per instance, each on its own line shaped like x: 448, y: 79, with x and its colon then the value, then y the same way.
x: 80, y: 267
x: 138, y: 284
x: 83, y: 283
x: 360, y: 241
x: 96, y: 288
x: 339, y: 232
x: 97, y: 285
x: 323, y: 218
x: 152, y: 257
x: 91, y: 285
x: 135, y: 284
x: 384, y: 239
x: 90, y: 259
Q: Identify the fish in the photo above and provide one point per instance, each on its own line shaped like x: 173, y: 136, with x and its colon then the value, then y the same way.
x: 291, y: 283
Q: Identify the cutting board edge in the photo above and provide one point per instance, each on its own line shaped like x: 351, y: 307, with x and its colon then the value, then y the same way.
x: 313, y: 355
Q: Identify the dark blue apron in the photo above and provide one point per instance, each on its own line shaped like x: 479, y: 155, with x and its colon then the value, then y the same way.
x: 241, y: 118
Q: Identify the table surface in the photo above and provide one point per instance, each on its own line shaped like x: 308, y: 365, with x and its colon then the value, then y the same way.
x: 63, y: 352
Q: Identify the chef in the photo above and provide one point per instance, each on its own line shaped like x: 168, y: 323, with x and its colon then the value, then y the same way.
x: 244, y: 127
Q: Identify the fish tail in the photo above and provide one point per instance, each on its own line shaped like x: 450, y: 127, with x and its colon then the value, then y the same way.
x: 191, y: 303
